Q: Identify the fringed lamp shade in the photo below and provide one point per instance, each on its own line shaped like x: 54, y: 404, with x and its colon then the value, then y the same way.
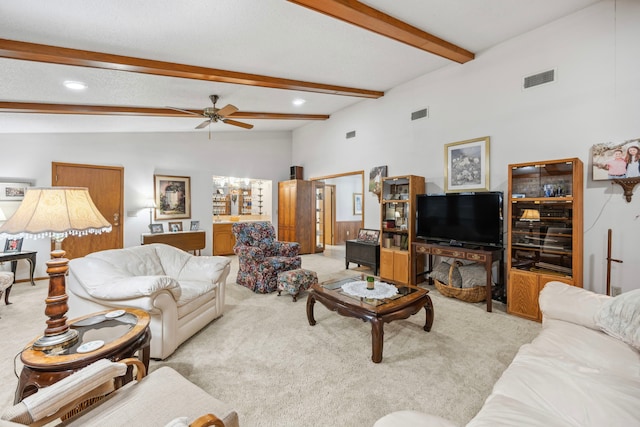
x: 530, y: 215
x: 56, y: 212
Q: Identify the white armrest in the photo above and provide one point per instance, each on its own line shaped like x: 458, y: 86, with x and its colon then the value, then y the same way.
x: 135, y: 287
x: 571, y: 304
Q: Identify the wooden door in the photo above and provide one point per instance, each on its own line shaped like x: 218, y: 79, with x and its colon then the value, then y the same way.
x: 106, y: 187
x: 329, y: 214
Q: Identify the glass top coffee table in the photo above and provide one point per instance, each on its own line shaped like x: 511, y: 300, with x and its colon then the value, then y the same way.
x: 408, y: 301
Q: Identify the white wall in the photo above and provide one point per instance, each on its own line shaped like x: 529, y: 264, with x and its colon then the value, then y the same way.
x: 595, y: 99
x: 29, y: 157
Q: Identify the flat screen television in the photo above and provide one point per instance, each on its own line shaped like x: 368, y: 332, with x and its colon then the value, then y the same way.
x: 472, y: 219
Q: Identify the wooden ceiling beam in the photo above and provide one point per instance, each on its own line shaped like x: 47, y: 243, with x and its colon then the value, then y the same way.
x: 371, y: 19
x: 84, y: 58
x: 43, y: 108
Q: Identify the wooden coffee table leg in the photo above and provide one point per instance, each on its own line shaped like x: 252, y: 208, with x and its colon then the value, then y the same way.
x: 428, y: 308
x: 311, y: 300
x: 377, y: 337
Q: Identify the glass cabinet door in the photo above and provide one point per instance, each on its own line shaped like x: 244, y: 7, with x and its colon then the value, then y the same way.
x: 319, y: 215
x: 542, y: 218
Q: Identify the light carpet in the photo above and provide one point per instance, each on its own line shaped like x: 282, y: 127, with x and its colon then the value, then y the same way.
x: 265, y: 360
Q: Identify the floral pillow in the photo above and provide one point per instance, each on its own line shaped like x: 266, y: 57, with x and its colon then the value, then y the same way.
x: 620, y: 317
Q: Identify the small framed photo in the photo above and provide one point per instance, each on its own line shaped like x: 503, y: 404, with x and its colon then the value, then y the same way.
x: 175, y: 226
x: 195, y: 226
x: 368, y: 236
x: 357, y: 203
x: 13, y: 191
x: 13, y: 245
x: 156, y: 228
x: 466, y: 165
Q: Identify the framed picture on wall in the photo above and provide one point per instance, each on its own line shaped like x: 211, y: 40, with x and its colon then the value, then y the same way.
x: 172, y: 196
x: 357, y: 203
x: 10, y: 191
x: 466, y: 165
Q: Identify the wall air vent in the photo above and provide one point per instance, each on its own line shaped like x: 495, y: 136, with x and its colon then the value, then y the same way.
x: 539, y: 79
x: 420, y: 114
x: 351, y: 134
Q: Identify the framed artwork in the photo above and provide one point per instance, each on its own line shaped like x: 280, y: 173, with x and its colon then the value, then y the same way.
x: 13, y: 190
x: 195, y: 226
x: 173, y: 197
x: 156, y: 228
x: 357, y: 203
x: 375, y: 179
x: 175, y: 226
x: 13, y: 245
x: 368, y: 236
x: 616, y: 161
x: 466, y: 165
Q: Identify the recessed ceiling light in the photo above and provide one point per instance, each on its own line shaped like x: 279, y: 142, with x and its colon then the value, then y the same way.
x: 69, y: 84
x: 299, y: 101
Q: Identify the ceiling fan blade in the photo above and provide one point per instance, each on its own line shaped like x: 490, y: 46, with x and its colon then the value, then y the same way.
x: 185, y: 111
x: 227, y: 110
x: 237, y: 123
x: 204, y: 124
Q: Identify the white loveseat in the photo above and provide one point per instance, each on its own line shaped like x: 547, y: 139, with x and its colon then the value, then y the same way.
x: 572, y: 374
x: 181, y: 292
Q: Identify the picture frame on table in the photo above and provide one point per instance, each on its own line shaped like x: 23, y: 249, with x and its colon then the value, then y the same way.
x: 156, y: 228
x: 174, y: 227
x: 13, y: 245
x: 172, y: 195
x: 195, y: 226
x: 466, y: 165
x: 370, y: 236
x: 13, y: 191
x: 357, y: 203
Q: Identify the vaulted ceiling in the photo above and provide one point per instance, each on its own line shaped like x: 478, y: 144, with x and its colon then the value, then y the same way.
x: 139, y: 58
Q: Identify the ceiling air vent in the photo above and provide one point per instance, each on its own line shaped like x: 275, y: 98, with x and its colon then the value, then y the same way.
x: 351, y: 134
x: 539, y: 79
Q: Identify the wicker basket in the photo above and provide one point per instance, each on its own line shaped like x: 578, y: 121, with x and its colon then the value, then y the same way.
x: 475, y: 294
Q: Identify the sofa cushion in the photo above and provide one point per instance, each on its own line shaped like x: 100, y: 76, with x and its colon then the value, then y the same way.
x: 620, y: 317
x: 559, y: 301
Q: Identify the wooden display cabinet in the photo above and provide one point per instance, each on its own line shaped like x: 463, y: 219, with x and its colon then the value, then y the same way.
x: 398, y: 219
x: 296, y: 214
x: 545, y: 231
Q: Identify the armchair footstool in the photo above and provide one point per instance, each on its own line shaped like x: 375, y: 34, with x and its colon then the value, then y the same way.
x: 294, y: 281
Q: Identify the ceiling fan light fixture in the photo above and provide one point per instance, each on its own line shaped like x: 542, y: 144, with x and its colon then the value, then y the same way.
x: 75, y: 85
x: 298, y: 102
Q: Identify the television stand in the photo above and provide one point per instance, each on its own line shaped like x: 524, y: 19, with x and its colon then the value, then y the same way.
x: 487, y: 256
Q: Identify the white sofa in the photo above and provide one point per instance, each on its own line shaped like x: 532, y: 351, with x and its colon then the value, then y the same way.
x: 181, y: 292
x: 572, y: 374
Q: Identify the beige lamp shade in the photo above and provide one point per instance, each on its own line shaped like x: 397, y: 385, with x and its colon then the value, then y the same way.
x: 2, y: 215
x: 530, y: 215
x: 55, y: 212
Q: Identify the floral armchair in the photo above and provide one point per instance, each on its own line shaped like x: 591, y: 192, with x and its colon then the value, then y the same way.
x: 261, y: 257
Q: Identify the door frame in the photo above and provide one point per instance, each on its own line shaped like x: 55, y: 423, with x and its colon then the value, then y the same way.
x: 340, y: 175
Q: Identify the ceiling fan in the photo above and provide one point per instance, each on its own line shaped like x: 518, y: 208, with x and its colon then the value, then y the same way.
x: 214, y: 114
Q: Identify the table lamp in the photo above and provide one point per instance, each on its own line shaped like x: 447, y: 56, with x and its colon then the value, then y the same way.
x: 2, y: 215
x: 56, y: 212
x: 530, y: 215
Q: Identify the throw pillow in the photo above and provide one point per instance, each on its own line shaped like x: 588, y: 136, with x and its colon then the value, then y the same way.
x: 178, y: 422
x: 441, y: 273
x: 473, y: 275
x: 620, y: 317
